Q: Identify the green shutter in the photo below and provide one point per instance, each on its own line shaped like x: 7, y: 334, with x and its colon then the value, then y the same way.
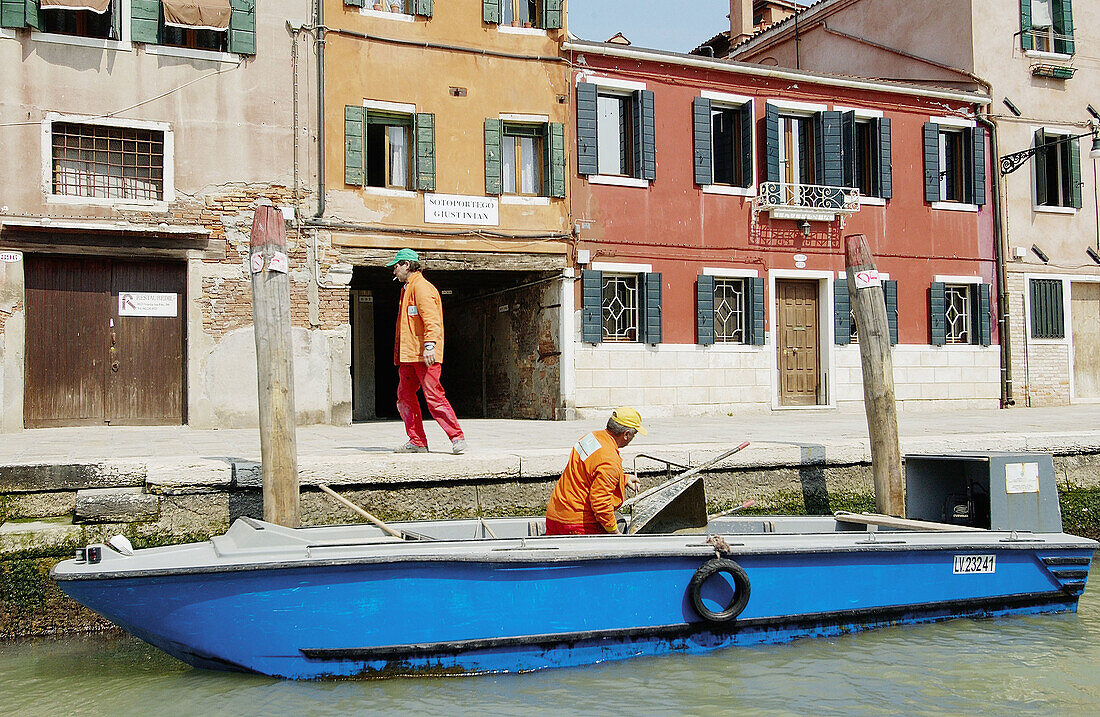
x: 755, y: 294
x: 937, y: 303
x: 592, y: 306
x: 556, y: 141
x: 771, y: 138
x: 645, y: 143
x: 651, y: 317
x: 848, y: 142
x: 424, y: 8
x: 701, y: 138
x: 242, y: 27
x: 747, y: 121
x: 587, y: 159
x: 490, y: 11
x: 931, y: 162
x: 1047, y: 309
x: 145, y: 21
x: 1062, y: 10
x: 494, y: 135
x: 552, y: 14
x: 1026, y: 39
x: 984, y: 322
x: 1042, y: 189
x: 354, y: 3
x: 884, y: 181
x: 1074, y: 188
x: 425, y: 151
x: 19, y: 14
x: 353, y: 145
x: 975, y: 183
x: 890, y: 293
x: 704, y: 309
x: 828, y: 149
x: 116, y: 19
x: 842, y: 313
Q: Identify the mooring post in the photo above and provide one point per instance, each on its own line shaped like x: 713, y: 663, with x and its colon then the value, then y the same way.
x: 873, y: 329
x: 269, y: 268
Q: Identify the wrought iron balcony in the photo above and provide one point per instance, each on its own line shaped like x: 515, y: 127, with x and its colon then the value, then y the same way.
x: 813, y: 202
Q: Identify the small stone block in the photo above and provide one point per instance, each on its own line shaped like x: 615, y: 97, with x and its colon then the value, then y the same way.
x: 116, y: 505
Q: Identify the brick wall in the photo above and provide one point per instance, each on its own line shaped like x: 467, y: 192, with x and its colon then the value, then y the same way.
x: 1040, y: 368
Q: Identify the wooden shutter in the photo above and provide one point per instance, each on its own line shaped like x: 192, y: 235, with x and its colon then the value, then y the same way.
x: 931, y: 162
x: 704, y: 309
x: 353, y: 145
x: 849, y: 139
x: 587, y: 160
x: 701, y: 126
x: 22, y: 13
x: 883, y: 180
x: 842, y: 313
x: 984, y: 322
x: 551, y: 14
x: 556, y: 141
x: 145, y: 20
x: 975, y: 183
x: 754, y: 296
x: 1026, y: 39
x: 645, y: 142
x: 424, y: 8
x: 1074, y: 172
x: 651, y: 316
x: 828, y: 149
x: 1062, y: 11
x: 747, y: 120
x: 1042, y: 189
x: 771, y: 140
x: 937, y: 302
x: 494, y: 134
x: 242, y: 27
x: 490, y: 11
x: 592, y: 306
x: 890, y: 293
x: 1047, y: 309
x: 424, y: 130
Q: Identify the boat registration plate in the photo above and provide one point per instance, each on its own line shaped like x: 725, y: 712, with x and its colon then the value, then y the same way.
x: 966, y: 564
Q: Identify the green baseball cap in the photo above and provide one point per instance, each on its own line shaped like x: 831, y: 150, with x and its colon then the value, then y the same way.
x: 404, y: 255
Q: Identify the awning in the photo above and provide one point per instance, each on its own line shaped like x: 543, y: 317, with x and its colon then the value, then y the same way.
x: 96, y: 6
x: 196, y: 14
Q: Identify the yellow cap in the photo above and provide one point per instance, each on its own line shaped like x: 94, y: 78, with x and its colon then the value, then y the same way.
x: 626, y: 416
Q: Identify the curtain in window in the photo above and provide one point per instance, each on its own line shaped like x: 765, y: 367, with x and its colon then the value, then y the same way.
x: 508, y: 164
x: 529, y: 170
x: 1041, y: 16
x: 399, y: 156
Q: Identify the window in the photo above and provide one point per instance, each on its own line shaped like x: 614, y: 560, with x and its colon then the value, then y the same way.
x: 1047, y: 318
x: 1047, y: 26
x: 619, y: 301
x: 1057, y: 170
x: 522, y: 158
x: 960, y: 313
x: 615, y: 135
x: 844, y: 317
x: 729, y: 310
x: 389, y: 149
x: 216, y: 25
x: 388, y: 159
x: 82, y: 18
x: 867, y: 154
x: 796, y: 150
x: 621, y: 307
x: 957, y: 314
x: 954, y: 164
x: 523, y: 12
x: 723, y: 143
x: 951, y: 164
x: 615, y: 132
x: 107, y: 162
x: 545, y: 14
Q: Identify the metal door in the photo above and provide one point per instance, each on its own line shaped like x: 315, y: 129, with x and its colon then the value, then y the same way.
x: 1085, y: 307
x: 798, y: 346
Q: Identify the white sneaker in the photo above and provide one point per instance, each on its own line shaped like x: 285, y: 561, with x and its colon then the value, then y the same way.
x: 458, y: 445
x: 410, y: 447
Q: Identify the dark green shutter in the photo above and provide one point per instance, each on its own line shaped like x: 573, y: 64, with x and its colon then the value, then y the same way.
x: 704, y: 309
x: 645, y: 142
x: 116, y: 19
x: 931, y: 162
x: 884, y: 179
x: 937, y: 302
x: 651, y: 316
x: 551, y: 14
x: 592, y: 306
x: 848, y: 142
x: 828, y: 149
x: 890, y: 293
x: 1047, y: 309
x: 242, y: 27
x: 424, y: 8
x: 747, y: 120
x: 755, y: 310
x: 494, y: 136
x: 704, y: 163
x: 771, y: 139
x: 20, y: 13
x: 1042, y: 190
x: 145, y: 20
x: 1062, y: 11
x: 490, y: 11
x: 984, y: 323
x: 556, y: 141
x: 975, y: 182
x: 842, y: 313
x: 1026, y: 39
x: 353, y: 145
x: 425, y: 151
x: 1074, y: 171
x: 587, y: 160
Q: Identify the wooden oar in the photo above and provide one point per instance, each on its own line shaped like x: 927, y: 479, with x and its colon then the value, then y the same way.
x: 347, y: 503
x: 686, y: 474
x: 735, y: 509
x: 889, y: 521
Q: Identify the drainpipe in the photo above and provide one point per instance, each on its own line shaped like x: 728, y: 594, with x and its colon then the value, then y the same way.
x: 319, y: 23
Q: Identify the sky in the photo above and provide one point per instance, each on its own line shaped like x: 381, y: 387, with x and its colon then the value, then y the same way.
x: 661, y: 24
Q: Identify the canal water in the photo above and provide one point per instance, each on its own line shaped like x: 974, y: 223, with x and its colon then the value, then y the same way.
x: 1045, y: 665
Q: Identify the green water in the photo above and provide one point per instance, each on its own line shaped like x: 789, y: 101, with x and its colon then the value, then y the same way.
x: 1045, y: 665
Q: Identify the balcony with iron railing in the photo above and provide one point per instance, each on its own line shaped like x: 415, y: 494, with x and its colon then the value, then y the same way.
x: 805, y: 202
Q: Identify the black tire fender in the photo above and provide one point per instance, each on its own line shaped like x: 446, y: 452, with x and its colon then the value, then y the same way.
x: 740, y: 584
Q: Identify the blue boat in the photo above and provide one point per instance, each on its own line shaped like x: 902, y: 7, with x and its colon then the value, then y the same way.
x: 344, y: 601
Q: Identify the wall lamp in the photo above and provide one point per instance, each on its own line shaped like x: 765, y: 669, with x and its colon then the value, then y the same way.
x: 1039, y: 253
x: 1011, y: 162
x: 804, y: 225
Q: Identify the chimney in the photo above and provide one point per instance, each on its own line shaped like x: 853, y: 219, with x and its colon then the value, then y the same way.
x: 741, y: 25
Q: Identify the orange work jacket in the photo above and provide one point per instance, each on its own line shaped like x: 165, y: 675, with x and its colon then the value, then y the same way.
x: 419, y: 319
x: 592, y: 484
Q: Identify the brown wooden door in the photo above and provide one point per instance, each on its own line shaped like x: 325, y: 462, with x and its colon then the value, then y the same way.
x: 798, y: 344
x: 1085, y: 306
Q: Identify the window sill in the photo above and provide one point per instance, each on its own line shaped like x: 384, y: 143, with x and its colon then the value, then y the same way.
x: 188, y: 53
x: 525, y: 201
x: 510, y: 30
x: 78, y: 41
x: 731, y: 347
x: 729, y: 190
x: 1043, y: 209
x: 158, y: 206
x: 865, y: 201
x: 7, y: 34
x: 386, y: 15
x: 617, y: 181
x: 965, y: 347
x: 955, y: 206
x: 1042, y: 55
x: 387, y: 192
x: 1046, y: 342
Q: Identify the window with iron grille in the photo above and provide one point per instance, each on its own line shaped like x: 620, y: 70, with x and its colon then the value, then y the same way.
x: 104, y: 162
x: 620, y: 307
x: 1047, y: 319
x: 957, y: 313
x: 729, y: 310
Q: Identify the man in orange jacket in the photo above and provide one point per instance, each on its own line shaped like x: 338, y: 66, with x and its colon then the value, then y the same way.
x: 592, y: 485
x: 418, y: 355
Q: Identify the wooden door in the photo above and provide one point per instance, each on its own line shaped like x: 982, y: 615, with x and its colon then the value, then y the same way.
x: 798, y: 344
x: 363, y: 402
x: 145, y: 353
x: 1085, y: 307
x: 67, y: 340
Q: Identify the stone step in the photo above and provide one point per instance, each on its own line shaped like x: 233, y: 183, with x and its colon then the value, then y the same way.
x: 46, y: 536
x: 115, y: 505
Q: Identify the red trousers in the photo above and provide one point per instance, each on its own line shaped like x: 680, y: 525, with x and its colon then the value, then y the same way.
x: 412, y: 377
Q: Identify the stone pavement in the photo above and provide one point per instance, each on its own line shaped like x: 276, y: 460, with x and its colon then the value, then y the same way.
x: 498, y: 449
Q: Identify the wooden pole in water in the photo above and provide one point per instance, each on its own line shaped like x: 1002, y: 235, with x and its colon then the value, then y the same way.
x: 274, y: 366
x: 869, y: 307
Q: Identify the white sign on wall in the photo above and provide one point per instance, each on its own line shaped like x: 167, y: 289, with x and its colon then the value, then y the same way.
x: 11, y: 257
x: 458, y: 209
x: 144, y: 303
